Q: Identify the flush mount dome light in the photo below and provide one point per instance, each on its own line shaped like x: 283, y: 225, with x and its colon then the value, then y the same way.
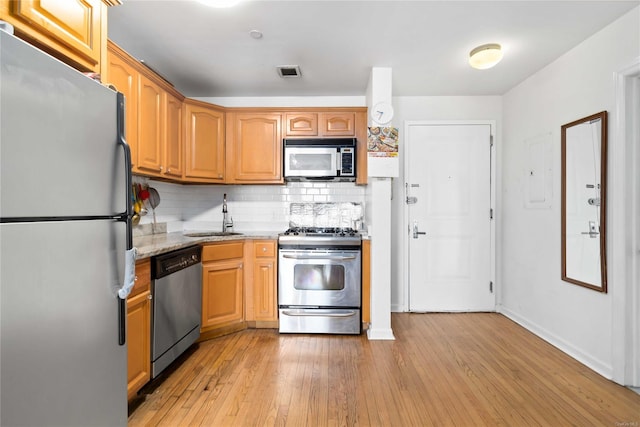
x: 219, y: 3
x: 485, y: 56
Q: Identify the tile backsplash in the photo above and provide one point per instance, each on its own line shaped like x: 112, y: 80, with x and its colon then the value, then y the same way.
x: 343, y: 214
x: 252, y: 207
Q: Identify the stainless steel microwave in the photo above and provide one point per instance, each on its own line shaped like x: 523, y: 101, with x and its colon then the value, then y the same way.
x: 320, y: 159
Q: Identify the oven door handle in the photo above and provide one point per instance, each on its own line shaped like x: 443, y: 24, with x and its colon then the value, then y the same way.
x: 315, y: 312
x: 329, y: 258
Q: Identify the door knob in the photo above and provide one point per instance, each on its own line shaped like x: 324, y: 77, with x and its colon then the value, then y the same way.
x: 416, y: 233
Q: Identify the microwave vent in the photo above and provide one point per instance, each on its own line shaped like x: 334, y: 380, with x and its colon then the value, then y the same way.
x: 289, y: 71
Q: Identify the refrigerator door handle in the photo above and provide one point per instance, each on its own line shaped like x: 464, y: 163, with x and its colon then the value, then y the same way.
x: 130, y: 266
x: 127, y: 165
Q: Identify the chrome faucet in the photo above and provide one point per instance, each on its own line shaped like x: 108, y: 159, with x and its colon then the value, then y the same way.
x: 227, y: 222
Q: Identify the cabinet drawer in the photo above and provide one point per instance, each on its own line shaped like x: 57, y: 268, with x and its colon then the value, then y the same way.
x: 221, y: 251
x: 265, y: 249
x: 143, y: 278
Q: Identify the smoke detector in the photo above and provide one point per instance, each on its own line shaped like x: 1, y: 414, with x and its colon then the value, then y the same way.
x: 289, y: 71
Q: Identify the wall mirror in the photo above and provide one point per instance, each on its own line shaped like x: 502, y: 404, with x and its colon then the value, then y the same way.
x: 584, y: 160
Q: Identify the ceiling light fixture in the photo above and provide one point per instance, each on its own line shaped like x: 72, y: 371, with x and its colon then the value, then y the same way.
x: 485, y: 56
x: 219, y: 3
x: 255, y: 34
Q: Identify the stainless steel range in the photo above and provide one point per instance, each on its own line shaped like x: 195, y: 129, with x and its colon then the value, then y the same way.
x: 319, y: 280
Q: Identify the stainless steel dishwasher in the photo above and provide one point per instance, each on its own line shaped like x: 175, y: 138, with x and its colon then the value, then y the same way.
x: 177, y: 305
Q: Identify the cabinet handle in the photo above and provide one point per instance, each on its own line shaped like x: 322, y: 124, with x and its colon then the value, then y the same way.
x: 169, y: 170
x: 135, y: 279
x: 264, y: 249
x: 150, y: 296
x: 161, y: 168
x: 219, y: 175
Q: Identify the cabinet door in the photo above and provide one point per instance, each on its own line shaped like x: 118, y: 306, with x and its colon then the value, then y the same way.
x: 301, y: 124
x: 71, y: 29
x: 222, y: 293
x: 138, y: 342
x: 139, y: 329
x: 173, y: 137
x: 338, y: 124
x: 264, y: 281
x: 264, y: 290
x: 204, y: 145
x: 124, y: 76
x: 150, y: 125
x: 254, y: 148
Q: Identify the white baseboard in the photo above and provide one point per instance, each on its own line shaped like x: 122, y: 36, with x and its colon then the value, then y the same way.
x: 397, y: 308
x: 582, y: 357
x: 380, y: 334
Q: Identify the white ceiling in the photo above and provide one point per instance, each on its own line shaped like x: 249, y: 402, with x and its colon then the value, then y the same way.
x: 207, y: 52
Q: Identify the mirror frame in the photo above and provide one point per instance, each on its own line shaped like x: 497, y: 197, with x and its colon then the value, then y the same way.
x: 603, y: 205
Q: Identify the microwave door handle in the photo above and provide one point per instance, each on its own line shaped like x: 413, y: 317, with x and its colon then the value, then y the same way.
x: 339, y: 161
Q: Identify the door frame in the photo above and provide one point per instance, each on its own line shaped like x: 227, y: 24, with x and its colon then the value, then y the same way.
x: 408, y: 124
x: 624, y: 270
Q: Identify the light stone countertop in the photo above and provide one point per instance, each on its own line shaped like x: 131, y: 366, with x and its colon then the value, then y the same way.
x: 156, y: 244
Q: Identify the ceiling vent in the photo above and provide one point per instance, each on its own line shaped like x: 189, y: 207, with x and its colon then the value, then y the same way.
x: 289, y: 71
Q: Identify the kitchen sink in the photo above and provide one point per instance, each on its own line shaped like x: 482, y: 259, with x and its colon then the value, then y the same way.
x: 211, y: 233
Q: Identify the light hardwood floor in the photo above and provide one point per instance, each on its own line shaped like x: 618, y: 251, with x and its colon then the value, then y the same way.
x: 473, y: 369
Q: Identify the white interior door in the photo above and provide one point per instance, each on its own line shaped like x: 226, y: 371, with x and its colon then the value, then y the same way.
x: 450, y: 246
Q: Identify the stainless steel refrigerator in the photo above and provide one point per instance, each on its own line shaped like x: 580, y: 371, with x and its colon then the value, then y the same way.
x: 64, y: 236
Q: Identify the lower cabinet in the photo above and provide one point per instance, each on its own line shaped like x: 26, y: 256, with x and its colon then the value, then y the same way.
x: 264, y: 284
x: 139, y: 330
x: 222, y: 287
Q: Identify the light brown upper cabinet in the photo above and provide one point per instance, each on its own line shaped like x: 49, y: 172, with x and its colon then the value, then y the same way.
x: 73, y: 31
x: 172, y: 135
x: 338, y: 124
x: 154, y: 116
x: 301, y: 124
x: 123, y: 74
x: 204, y: 142
x: 254, y: 147
x: 150, y: 126
x: 320, y: 124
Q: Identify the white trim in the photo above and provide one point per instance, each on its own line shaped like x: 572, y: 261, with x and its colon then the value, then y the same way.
x: 493, y: 177
x: 380, y: 334
x: 565, y: 346
x: 623, y: 245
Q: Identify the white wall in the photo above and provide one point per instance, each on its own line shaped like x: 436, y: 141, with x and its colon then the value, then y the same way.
x: 580, y: 83
x: 429, y: 108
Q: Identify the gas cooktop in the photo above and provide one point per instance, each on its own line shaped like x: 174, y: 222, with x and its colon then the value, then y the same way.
x: 321, y: 231
x: 321, y: 236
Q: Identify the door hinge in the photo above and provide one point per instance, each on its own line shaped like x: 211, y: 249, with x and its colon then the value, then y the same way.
x: 491, y: 213
x: 491, y: 287
x: 491, y: 141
